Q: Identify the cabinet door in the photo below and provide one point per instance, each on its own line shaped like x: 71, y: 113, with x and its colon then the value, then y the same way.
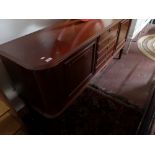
x: 79, y: 68
x: 124, y: 27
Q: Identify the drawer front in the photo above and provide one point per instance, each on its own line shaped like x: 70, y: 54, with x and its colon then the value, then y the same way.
x: 107, y: 46
x: 102, y: 44
x: 106, y: 53
x: 104, y: 35
x: 103, y: 61
x: 107, y: 37
x: 114, y: 30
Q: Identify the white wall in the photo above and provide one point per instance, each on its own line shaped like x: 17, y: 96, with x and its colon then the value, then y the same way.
x: 136, y: 26
x: 140, y: 24
x: 14, y: 28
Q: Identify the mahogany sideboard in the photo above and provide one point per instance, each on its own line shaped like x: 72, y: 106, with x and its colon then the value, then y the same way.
x: 49, y: 67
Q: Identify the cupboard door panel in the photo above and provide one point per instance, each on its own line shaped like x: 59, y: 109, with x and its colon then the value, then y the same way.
x: 78, y: 69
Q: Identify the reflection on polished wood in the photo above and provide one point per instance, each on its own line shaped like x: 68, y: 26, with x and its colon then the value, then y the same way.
x: 56, y: 42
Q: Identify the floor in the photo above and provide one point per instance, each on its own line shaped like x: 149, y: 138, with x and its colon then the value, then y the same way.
x: 132, y: 76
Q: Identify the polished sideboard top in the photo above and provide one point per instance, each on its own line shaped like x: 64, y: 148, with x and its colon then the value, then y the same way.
x: 53, y: 42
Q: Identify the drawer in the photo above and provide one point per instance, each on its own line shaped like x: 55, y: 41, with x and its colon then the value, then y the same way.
x: 104, y: 60
x: 114, y: 30
x: 105, y: 55
x: 103, y: 43
x: 104, y: 35
x: 110, y: 32
x: 102, y: 52
x: 107, y: 46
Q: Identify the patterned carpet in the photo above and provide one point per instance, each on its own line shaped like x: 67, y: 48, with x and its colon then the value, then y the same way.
x: 146, y: 45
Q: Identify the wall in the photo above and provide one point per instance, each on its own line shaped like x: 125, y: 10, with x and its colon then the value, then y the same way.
x: 14, y: 28
x: 136, y: 26
x: 140, y: 24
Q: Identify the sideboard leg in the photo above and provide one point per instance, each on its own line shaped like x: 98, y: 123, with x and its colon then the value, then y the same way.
x: 120, y: 54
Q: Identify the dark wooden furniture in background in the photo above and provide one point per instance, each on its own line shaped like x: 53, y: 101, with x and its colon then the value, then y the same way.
x: 51, y: 66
